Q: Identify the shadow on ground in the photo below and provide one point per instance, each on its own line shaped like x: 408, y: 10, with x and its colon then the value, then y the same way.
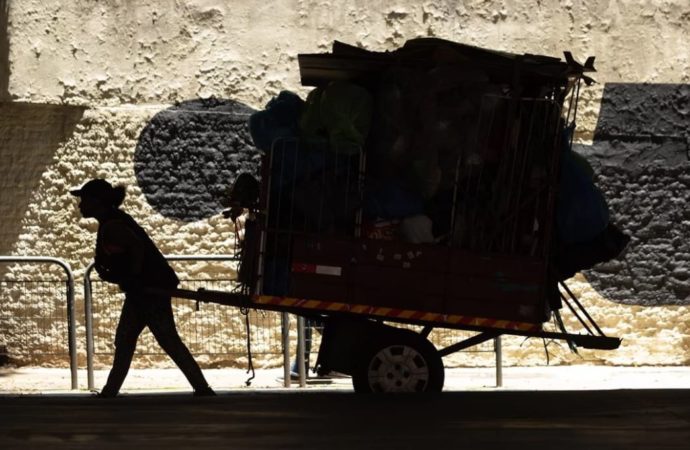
x: 317, y: 420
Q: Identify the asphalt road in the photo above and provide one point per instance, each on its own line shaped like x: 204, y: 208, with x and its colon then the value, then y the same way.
x: 583, y: 420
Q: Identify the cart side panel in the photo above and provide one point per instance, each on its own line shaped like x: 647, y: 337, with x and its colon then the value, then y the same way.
x: 399, y: 288
x: 417, y: 277
x: 400, y: 275
x: 500, y: 286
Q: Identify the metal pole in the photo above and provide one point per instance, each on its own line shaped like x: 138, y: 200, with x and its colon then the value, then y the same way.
x: 286, y: 348
x: 71, y: 321
x: 72, y: 328
x: 301, y: 369
x: 499, y: 361
x: 88, y: 313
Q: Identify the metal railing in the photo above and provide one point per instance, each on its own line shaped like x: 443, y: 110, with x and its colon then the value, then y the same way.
x: 206, y: 329
x: 46, y: 327
x: 50, y: 324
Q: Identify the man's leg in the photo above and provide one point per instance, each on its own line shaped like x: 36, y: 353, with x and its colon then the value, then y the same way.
x: 162, y: 324
x: 128, y: 330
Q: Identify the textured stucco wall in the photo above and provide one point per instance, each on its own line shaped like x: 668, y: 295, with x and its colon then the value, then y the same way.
x: 118, y: 52
x: 120, y: 65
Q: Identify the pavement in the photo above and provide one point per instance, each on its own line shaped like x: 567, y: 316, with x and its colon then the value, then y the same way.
x: 36, y: 380
x: 538, y: 408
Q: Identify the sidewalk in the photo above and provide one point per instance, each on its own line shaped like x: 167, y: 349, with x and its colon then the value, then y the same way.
x: 33, y: 380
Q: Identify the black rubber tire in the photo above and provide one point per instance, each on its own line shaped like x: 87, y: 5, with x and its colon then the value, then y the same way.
x: 399, y: 362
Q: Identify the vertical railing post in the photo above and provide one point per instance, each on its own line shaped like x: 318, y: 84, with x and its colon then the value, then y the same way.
x: 72, y: 327
x: 286, y: 348
x: 498, y: 349
x: 88, y: 313
x: 301, y: 367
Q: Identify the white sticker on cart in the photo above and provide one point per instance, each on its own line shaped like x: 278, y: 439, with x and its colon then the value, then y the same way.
x: 329, y: 270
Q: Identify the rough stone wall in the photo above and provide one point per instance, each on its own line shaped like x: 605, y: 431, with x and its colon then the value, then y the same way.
x: 84, y: 83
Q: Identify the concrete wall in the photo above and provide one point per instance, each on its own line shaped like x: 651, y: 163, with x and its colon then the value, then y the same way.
x: 88, y: 89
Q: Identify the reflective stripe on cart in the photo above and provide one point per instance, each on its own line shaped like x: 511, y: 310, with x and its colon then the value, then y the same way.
x: 379, y: 311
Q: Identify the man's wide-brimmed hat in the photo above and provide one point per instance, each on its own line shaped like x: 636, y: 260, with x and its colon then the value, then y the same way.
x: 98, y: 187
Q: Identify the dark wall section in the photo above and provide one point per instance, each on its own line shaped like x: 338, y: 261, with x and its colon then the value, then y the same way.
x: 4, y: 50
x: 641, y: 151
x: 30, y: 135
x: 189, y: 155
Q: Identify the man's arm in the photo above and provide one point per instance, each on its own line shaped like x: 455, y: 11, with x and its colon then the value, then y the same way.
x: 123, y: 247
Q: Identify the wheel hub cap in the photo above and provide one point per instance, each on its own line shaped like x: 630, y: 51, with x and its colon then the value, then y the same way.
x: 398, y: 368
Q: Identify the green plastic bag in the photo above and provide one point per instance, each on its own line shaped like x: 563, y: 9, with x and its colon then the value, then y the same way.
x: 341, y: 114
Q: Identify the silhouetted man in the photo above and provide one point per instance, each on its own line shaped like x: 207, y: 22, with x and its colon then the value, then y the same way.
x: 125, y: 255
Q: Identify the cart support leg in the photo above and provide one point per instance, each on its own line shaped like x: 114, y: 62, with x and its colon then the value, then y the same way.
x: 498, y: 349
x: 286, y: 349
x: 301, y: 369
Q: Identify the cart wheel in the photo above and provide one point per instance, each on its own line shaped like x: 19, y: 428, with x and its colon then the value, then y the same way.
x: 401, y: 363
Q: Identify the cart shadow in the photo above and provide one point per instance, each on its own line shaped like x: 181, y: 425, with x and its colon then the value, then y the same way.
x: 640, y: 151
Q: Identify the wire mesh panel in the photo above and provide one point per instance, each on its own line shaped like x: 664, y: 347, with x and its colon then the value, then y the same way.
x: 312, y: 191
x: 502, y: 180
x: 34, y: 327
x: 216, y: 333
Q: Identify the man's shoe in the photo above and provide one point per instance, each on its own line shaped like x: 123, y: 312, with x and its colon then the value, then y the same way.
x: 106, y: 394
x: 334, y: 374
x: 204, y: 392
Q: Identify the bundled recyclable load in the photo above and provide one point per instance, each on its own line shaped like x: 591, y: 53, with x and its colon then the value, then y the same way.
x: 437, y: 142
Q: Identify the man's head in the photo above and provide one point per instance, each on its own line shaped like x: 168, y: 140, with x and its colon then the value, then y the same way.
x: 97, y: 197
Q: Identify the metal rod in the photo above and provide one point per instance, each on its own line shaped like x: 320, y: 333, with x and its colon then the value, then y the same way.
x: 322, y: 197
x: 360, y: 188
x: 498, y: 349
x: 88, y: 313
x: 71, y: 320
x: 286, y: 348
x: 72, y: 328
x: 512, y: 157
x: 579, y: 305
x: 571, y: 100
x: 348, y: 167
x: 528, y: 155
x: 292, y: 192
x: 456, y: 183
x: 570, y: 307
x: 276, y: 225
x: 300, y: 352
x: 260, y: 271
x: 577, y: 101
